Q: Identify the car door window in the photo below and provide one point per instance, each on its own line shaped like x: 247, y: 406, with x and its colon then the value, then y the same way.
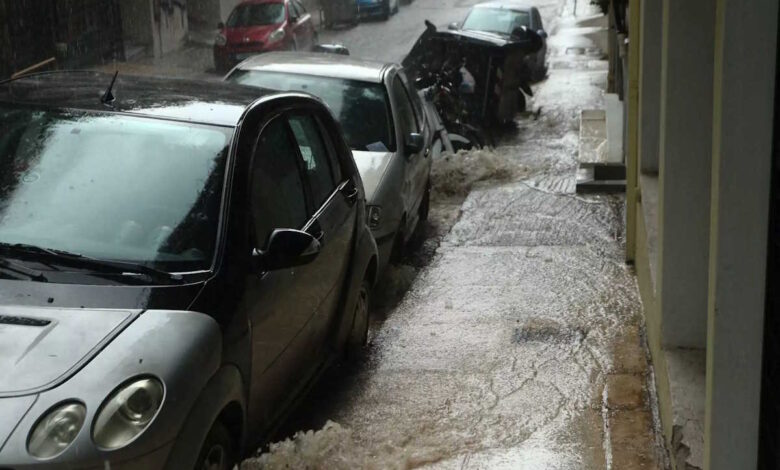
x: 297, y: 11
x: 277, y: 194
x: 316, y: 161
x: 406, y: 113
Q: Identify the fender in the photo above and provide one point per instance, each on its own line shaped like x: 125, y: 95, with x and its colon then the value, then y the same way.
x: 365, y: 254
x: 224, y: 388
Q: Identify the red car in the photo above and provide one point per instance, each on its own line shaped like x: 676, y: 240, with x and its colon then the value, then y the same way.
x: 256, y: 26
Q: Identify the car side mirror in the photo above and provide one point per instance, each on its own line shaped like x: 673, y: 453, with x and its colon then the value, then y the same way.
x: 542, y: 34
x: 454, y: 26
x: 220, y: 25
x: 414, y: 144
x: 286, y: 248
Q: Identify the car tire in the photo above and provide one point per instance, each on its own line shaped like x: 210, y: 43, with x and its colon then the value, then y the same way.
x: 217, y: 451
x: 521, y: 102
x: 358, y: 333
x: 425, y: 205
x: 395, y: 8
x: 385, y: 11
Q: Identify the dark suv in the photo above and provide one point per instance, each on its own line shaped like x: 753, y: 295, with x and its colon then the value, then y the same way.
x: 178, y: 261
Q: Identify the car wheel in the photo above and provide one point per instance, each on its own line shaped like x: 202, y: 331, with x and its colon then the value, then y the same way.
x: 395, y: 8
x: 358, y: 334
x: 217, y: 452
x: 521, y: 103
x: 386, y: 10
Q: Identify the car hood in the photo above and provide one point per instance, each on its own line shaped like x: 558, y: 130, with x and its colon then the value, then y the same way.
x: 372, y: 166
x: 250, y: 34
x: 42, y: 347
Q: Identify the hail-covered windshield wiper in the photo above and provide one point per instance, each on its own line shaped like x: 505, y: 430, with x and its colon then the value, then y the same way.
x: 77, y: 260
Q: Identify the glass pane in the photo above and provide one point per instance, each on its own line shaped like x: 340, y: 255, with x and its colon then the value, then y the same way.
x: 315, y: 157
x: 256, y: 14
x: 111, y: 187
x: 496, y: 20
x: 278, y: 199
x: 408, y: 122
x: 360, y: 107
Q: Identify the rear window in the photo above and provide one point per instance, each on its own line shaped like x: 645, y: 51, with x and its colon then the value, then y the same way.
x: 360, y: 107
x: 256, y: 15
x: 496, y: 20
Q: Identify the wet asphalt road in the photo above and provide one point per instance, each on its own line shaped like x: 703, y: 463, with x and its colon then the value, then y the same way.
x: 513, y: 337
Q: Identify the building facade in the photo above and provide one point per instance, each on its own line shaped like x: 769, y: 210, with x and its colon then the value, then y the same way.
x: 702, y: 215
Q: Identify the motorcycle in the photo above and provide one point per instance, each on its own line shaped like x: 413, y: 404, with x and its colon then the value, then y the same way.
x: 448, y: 112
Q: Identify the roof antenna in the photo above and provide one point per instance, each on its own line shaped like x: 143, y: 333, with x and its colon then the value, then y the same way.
x: 108, y: 97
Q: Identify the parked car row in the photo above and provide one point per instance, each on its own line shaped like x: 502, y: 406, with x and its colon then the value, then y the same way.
x: 180, y: 290
x: 257, y: 26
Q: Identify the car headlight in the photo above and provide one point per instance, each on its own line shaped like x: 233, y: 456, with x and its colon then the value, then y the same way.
x: 127, y: 412
x: 220, y: 40
x: 276, y: 35
x: 56, y: 430
x: 374, y: 216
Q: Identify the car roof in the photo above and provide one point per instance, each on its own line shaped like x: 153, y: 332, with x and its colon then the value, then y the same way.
x: 216, y: 103
x: 504, y: 5
x: 319, y: 64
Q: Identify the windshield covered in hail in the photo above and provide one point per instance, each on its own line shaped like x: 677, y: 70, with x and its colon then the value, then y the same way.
x: 112, y: 187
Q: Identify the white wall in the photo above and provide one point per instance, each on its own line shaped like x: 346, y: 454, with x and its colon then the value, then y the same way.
x: 170, y: 28
x: 742, y: 155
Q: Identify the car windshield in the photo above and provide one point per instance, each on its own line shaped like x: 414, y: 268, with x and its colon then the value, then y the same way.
x: 257, y: 14
x: 496, y: 20
x: 360, y: 107
x: 112, y: 187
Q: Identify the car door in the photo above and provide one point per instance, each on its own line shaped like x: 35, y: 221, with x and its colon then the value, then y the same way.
x: 301, y: 24
x: 280, y: 304
x: 417, y: 164
x: 332, y: 223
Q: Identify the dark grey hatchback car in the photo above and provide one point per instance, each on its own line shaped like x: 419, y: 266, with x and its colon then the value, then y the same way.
x: 178, y: 261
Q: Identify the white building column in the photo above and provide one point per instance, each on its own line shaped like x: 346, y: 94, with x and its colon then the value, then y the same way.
x: 684, y: 170
x: 742, y: 154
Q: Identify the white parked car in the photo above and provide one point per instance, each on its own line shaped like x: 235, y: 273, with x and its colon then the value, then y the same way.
x: 385, y: 123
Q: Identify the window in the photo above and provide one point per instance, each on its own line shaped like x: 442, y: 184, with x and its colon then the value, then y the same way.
x: 299, y: 8
x: 408, y: 122
x: 496, y: 20
x: 315, y: 157
x: 259, y: 14
x: 277, y: 196
x: 360, y: 107
x: 66, y: 184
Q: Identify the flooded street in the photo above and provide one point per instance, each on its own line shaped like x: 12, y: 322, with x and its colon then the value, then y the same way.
x: 513, y: 337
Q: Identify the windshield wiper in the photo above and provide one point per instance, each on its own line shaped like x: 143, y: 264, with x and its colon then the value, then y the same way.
x: 123, y: 268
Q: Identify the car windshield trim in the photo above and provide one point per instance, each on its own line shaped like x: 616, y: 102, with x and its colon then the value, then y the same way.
x: 486, y: 12
x: 222, y: 160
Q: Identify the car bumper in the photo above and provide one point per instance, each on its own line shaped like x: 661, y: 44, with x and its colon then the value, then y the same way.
x: 154, y: 460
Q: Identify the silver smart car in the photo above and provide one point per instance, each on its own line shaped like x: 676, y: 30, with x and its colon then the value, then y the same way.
x: 385, y: 123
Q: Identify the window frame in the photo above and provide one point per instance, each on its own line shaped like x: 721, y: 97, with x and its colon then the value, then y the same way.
x: 409, y: 102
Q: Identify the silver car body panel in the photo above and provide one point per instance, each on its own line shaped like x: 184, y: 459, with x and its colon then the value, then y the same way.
x: 322, y: 65
x: 181, y: 349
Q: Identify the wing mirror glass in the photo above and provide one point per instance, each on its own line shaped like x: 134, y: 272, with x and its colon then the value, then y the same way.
x: 454, y: 26
x: 414, y: 144
x: 286, y: 248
